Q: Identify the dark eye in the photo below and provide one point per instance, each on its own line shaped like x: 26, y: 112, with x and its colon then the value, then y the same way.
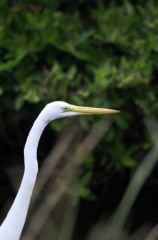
x: 66, y: 109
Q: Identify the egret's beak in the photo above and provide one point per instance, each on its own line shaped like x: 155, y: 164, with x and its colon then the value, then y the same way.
x: 92, y: 110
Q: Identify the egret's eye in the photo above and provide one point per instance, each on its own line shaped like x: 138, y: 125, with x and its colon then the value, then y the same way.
x: 66, y: 109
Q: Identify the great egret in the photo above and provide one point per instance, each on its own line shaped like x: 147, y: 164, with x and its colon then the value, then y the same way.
x: 12, y: 226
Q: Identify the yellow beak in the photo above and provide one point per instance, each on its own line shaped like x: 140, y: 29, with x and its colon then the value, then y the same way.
x: 92, y: 110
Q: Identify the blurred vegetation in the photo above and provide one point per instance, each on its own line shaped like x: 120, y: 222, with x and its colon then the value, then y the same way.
x: 98, y: 53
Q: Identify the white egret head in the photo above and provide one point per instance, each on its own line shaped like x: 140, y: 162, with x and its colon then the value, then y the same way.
x: 60, y: 109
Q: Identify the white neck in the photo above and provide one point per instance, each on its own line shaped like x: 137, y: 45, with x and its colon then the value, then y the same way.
x: 13, y: 224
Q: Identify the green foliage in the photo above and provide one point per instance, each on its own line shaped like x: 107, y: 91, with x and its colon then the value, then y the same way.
x: 83, y: 189
x: 104, y: 55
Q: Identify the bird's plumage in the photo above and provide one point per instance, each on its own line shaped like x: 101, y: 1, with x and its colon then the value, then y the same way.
x: 12, y: 226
